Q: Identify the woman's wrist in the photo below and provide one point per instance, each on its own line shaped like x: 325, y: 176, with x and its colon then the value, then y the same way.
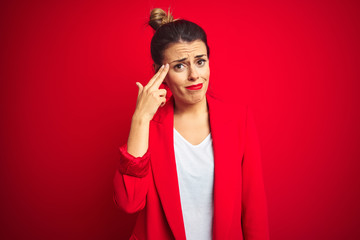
x: 138, y: 136
x: 140, y: 120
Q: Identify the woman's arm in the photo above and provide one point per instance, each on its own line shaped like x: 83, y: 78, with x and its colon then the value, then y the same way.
x: 254, y: 205
x: 138, y: 141
x: 131, y: 181
x: 132, y: 177
x: 149, y: 99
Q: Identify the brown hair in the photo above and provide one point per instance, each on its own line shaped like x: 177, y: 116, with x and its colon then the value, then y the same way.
x: 169, y: 30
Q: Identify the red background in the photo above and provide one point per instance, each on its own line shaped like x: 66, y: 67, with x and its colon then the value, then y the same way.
x: 68, y: 72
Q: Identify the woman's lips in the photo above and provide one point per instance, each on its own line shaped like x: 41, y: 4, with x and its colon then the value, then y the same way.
x: 195, y: 87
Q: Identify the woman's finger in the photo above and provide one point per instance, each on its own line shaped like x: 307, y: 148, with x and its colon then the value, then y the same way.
x: 140, y: 86
x: 162, y: 92
x: 163, y: 101
x: 160, y: 78
x: 153, y: 79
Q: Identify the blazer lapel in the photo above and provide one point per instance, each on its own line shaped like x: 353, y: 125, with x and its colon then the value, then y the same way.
x: 227, y: 165
x: 164, y: 167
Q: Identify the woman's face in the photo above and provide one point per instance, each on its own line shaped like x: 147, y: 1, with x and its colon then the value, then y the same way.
x: 188, y: 66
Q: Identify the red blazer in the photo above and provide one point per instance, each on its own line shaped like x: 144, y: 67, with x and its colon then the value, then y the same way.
x: 149, y: 184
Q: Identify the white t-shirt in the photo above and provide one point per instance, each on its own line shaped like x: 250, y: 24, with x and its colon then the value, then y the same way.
x: 195, y: 170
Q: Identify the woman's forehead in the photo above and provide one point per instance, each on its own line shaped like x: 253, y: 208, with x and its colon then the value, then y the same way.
x: 181, y: 50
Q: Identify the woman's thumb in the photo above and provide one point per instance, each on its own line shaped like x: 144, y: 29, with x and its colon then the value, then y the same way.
x: 140, y: 86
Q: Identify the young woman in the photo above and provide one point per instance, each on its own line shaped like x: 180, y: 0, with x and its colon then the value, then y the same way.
x: 191, y: 166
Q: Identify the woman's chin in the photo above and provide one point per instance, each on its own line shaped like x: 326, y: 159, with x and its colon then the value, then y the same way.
x: 196, y: 98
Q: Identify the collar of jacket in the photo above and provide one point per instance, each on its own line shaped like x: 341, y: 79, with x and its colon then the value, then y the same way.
x: 226, y: 169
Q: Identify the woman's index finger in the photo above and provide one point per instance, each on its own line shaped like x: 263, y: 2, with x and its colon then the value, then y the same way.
x: 152, y: 80
x: 161, y: 77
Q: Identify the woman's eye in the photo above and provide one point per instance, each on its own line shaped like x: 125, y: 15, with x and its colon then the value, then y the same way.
x: 201, y: 62
x: 179, y: 66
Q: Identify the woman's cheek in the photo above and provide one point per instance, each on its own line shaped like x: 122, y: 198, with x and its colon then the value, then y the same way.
x: 178, y: 77
x: 171, y: 80
x: 206, y: 74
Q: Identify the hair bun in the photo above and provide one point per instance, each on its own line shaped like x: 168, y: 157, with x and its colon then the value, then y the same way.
x: 159, y: 17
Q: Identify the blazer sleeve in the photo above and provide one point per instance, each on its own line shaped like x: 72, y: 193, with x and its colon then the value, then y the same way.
x: 131, y: 181
x: 254, y: 205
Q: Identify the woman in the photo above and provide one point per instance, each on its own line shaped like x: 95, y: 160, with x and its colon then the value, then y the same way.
x: 191, y: 166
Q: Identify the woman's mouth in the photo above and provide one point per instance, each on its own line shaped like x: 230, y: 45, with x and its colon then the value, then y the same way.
x: 195, y: 87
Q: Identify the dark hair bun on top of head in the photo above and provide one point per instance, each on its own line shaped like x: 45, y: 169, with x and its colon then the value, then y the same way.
x: 159, y: 17
x: 169, y: 30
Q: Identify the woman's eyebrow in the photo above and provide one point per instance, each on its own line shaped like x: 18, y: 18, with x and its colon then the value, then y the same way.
x: 183, y: 59
x: 199, y: 56
x: 180, y: 60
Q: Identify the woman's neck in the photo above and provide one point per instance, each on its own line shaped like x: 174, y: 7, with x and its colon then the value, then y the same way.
x: 193, y: 110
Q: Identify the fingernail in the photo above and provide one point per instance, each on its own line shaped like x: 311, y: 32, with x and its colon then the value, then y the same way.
x: 162, y: 66
x: 167, y: 65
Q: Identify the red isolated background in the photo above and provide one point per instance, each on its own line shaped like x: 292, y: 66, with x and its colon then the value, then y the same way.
x: 68, y: 72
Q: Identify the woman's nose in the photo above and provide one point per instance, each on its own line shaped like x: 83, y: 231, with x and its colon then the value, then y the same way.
x: 193, y: 74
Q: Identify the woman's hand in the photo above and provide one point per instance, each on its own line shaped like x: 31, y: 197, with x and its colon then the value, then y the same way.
x: 150, y: 97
